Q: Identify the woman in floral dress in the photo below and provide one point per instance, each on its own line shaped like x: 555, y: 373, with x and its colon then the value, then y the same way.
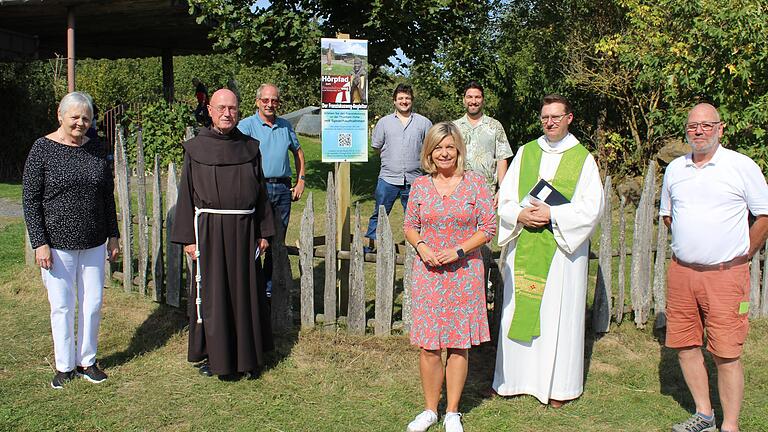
x: 449, y: 217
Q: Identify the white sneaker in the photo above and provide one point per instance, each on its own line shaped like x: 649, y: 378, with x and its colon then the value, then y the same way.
x: 423, y: 421
x: 452, y: 422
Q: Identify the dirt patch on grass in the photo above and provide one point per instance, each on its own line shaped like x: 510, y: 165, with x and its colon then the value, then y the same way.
x: 600, y: 367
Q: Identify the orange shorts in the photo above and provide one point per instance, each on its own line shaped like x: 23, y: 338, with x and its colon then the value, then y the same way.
x: 711, y: 300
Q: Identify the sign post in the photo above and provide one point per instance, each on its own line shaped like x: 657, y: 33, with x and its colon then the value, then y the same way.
x: 344, y: 98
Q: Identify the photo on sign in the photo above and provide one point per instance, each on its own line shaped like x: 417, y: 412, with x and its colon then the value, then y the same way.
x: 344, y: 66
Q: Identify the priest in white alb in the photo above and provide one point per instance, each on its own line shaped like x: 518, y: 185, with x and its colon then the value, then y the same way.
x: 549, y: 204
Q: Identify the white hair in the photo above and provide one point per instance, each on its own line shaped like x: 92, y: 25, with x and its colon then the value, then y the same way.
x: 265, y: 85
x: 76, y: 99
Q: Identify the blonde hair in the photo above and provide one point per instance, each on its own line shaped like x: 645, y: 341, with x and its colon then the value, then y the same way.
x: 435, y: 135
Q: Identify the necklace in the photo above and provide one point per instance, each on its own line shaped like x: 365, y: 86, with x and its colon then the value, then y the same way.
x: 63, y: 140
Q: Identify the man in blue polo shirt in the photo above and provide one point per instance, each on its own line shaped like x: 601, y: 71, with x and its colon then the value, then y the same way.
x: 276, y: 137
x: 397, y: 138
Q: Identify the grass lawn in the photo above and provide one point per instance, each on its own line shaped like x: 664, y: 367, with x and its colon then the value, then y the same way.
x: 315, y: 381
x: 11, y: 191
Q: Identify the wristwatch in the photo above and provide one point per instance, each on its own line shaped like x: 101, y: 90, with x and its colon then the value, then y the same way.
x: 460, y: 253
x: 302, y: 178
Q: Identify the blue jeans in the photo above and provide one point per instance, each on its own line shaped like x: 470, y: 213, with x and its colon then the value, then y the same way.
x: 279, y: 195
x: 385, y: 195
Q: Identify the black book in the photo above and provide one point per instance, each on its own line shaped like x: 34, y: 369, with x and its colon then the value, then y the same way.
x: 546, y: 193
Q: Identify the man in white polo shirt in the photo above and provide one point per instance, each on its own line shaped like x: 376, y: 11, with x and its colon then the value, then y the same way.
x: 706, y: 199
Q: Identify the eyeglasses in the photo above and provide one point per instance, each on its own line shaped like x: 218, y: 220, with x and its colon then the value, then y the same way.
x: 221, y: 108
x: 556, y: 119
x: 705, y: 126
x: 265, y: 101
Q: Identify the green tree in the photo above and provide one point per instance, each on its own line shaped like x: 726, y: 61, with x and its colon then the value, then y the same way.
x: 292, y: 28
x: 672, y: 54
x: 28, y: 109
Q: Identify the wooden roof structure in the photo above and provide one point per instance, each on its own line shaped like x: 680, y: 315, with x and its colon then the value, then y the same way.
x: 104, y: 28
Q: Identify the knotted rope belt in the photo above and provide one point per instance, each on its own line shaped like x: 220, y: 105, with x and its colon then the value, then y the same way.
x: 199, y: 274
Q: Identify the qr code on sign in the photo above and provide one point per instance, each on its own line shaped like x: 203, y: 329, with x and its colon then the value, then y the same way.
x: 345, y: 140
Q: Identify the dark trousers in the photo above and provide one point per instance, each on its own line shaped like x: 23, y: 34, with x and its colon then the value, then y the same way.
x: 279, y: 195
x: 385, y: 195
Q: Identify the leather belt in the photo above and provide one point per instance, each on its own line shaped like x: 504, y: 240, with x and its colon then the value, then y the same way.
x: 283, y: 180
x: 739, y: 260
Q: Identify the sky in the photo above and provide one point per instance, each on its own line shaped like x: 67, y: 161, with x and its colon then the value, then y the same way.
x: 263, y: 4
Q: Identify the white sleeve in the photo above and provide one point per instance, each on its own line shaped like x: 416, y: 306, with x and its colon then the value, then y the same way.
x: 573, y: 223
x: 509, y: 206
x: 756, y: 189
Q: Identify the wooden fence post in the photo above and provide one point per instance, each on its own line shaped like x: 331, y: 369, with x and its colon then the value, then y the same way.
x: 356, y: 312
x: 29, y: 253
x: 640, y: 282
x: 621, y: 272
x: 764, y: 298
x: 754, y: 283
x: 410, y: 255
x: 659, y: 277
x: 124, y: 197
x: 306, y: 261
x: 281, y: 280
x: 141, y: 206
x: 173, y: 251
x: 158, y: 269
x: 385, y: 274
x: 601, y: 307
x: 329, y: 299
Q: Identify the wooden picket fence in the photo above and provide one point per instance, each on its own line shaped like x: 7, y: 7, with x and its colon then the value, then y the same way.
x: 388, y: 255
x: 648, y: 264
x: 153, y: 266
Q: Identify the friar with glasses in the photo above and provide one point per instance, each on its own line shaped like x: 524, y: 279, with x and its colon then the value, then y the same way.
x: 223, y: 220
x: 711, y: 190
x: 541, y: 339
x: 276, y: 139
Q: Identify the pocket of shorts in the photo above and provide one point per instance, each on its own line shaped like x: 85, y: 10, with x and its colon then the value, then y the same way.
x: 741, y: 279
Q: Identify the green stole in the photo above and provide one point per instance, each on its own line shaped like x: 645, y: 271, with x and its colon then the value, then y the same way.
x: 536, y: 247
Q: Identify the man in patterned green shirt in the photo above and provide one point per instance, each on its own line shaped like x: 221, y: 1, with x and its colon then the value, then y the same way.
x: 487, y: 145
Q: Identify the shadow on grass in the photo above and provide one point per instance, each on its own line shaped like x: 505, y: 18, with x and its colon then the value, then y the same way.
x: 167, y: 321
x: 590, y: 337
x: 673, y: 384
x: 285, y: 340
x: 152, y: 334
x: 482, y: 362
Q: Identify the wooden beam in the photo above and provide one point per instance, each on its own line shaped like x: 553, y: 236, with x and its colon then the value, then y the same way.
x: 70, y: 50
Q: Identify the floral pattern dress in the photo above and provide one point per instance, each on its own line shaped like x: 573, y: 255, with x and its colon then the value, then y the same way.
x: 448, y: 302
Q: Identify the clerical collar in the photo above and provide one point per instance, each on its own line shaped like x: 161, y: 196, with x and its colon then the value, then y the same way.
x: 564, y: 144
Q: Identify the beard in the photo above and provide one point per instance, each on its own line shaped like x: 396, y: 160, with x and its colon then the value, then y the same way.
x: 710, y: 143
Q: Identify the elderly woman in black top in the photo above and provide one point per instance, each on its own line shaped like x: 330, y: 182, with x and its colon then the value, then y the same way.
x: 69, y: 208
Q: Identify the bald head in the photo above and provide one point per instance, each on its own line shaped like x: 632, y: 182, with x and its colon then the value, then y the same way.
x: 224, y: 96
x: 703, y: 131
x: 704, y: 110
x: 223, y: 109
